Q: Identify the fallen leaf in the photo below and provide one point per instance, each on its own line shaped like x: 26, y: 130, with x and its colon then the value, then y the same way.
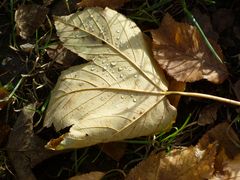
x: 182, y: 53
x: 28, y: 18
x: 175, y: 86
x: 95, y: 175
x: 225, y: 136
x: 4, y: 132
x: 61, y: 55
x: 208, y: 114
x: 115, y: 150
x: 116, y: 95
x: 3, y: 94
x: 179, y: 164
x: 232, y: 168
x: 204, y: 20
x: 236, y: 89
x: 26, y: 150
x: 113, y: 4
x: 63, y: 7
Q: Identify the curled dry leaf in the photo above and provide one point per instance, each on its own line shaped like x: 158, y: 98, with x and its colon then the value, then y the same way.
x: 187, y: 164
x: 28, y: 18
x: 182, y: 53
x: 26, y: 150
x: 116, y: 95
x: 113, y: 4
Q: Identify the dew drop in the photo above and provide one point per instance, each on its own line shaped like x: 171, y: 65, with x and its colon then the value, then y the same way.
x: 118, y: 31
x: 104, y: 68
x: 91, y: 16
x: 118, y: 38
x: 120, y: 69
x: 122, y: 97
x: 113, y: 63
x: 134, y: 100
x: 92, y: 69
x: 121, y: 76
x: 135, y: 76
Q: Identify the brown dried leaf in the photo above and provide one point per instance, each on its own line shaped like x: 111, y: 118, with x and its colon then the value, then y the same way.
x: 225, y: 137
x: 115, y: 150
x: 95, y: 175
x: 180, y: 50
x: 187, y: 164
x: 63, y: 7
x: 175, y: 86
x: 28, y: 18
x: 4, y: 132
x: 236, y: 89
x: 61, y: 55
x: 113, y: 4
x: 3, y: 94
x: 204, y: 21
x: 208, y: 114
x: 25, y: 150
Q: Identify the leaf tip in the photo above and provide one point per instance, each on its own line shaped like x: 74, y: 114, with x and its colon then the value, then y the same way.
x: 55, y: 144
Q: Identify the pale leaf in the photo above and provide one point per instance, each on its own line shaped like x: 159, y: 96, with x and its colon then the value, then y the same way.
x: 116, y: 95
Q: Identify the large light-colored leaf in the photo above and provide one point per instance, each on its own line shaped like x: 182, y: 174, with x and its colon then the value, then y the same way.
x: 116, y: 95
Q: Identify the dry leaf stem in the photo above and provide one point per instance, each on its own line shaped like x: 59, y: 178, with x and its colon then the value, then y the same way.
x: 201, y: 95
x: 166, y: 93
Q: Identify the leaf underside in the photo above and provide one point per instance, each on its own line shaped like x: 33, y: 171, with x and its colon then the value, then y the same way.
x: 115, y: 95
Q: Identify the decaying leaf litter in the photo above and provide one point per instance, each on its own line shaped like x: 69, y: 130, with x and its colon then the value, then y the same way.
x: 113, y: 73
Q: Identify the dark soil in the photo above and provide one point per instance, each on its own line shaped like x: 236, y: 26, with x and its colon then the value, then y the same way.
x: 43, y: 71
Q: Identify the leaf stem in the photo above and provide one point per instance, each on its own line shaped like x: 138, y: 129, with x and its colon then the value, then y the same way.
x: 201, y: 95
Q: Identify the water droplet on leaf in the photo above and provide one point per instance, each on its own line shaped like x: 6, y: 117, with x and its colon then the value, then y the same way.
x: 120, y: 69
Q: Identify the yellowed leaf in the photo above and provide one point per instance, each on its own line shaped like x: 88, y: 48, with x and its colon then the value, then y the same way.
x: 182, y: 53
x: 117, y: 94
